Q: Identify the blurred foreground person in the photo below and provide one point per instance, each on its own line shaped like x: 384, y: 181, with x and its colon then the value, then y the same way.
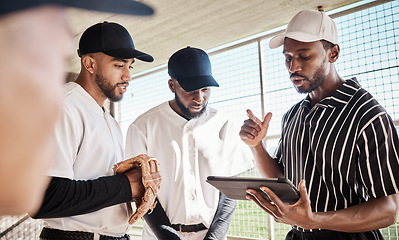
x: 35, y: 43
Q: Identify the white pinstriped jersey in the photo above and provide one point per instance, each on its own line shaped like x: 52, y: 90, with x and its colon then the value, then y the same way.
x: 345, y: 147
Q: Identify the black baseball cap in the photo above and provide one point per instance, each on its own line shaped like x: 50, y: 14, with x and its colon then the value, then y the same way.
x: 129, y: 7
x: 191, y: 67
x: 112, y: 39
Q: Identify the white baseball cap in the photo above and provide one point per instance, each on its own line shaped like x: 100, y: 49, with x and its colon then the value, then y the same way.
x: 308, y: 26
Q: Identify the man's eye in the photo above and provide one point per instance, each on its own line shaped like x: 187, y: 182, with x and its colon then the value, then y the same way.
x: 305, y: 57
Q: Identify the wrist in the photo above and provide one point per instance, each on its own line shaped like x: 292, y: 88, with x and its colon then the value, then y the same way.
x: 128, y: 185
x: 257, y: 147
x: 315, y: 221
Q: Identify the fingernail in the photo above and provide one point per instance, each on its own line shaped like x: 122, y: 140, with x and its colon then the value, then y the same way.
x: 250, y: 191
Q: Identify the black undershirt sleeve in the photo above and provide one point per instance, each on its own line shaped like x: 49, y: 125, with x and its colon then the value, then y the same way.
x: 221, y: 222
x: 160, y: 224
x: 65, y: 197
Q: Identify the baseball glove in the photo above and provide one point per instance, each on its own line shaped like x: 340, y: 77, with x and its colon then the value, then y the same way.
x: 148, y: 167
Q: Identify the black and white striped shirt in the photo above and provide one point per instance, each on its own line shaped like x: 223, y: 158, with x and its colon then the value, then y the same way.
x: 345, y: 147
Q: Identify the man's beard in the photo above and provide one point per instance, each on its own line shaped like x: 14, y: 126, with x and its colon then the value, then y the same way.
x: 186, y: 112
x: 318, y: 79
x: 107, y: 89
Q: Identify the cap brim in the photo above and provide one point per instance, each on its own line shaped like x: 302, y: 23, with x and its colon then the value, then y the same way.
x: 195, y: 83
x: 130, y: 53
x: 128, y: 7
x: 278, y: 40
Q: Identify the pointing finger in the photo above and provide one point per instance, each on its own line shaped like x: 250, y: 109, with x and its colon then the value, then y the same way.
x: 253, y: 117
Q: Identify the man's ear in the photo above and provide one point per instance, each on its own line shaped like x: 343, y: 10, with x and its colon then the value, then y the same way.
x: 171, y: 85
x: 89, y: 63
x: 334, y: 53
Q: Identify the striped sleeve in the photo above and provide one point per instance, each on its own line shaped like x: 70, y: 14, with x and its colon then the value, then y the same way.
x: 378, y: 157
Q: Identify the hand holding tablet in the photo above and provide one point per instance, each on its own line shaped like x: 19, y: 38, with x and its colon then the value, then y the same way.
x: 235, y: 187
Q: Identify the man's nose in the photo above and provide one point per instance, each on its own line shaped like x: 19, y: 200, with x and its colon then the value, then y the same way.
x: 294, y: 66
x: 198, y: 96
x: 126, y: 76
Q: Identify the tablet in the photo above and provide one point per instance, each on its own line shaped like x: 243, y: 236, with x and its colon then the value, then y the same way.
x: 235, y: 187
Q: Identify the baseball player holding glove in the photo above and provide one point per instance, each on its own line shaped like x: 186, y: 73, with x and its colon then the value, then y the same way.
x: 151, y: 182
x: 85, y: 198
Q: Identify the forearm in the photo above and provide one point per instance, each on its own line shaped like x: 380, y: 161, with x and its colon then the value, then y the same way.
x: 221, y: 222
x: 65, y: 197
x: 374, y: 214
x: 160, y: 224
x: 265, y: 163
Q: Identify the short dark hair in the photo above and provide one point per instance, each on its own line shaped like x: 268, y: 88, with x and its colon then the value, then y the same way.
x: 326, y: 44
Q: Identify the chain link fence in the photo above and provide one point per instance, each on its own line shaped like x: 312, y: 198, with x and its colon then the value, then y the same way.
x: 19, y: 228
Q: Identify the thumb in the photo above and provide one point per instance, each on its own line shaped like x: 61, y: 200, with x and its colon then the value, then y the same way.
x: 267, y: 119
x: 303, y: 192
x: 302, y: 186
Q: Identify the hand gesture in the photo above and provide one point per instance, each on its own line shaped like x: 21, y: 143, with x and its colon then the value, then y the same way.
x: 298, y: 214
x: 254, y: 130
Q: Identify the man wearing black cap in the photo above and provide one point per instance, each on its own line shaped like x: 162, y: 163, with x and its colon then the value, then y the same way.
x: 35, y: 42
x: 84, y: 199
x: 338, y: 145
x: 190, y: 141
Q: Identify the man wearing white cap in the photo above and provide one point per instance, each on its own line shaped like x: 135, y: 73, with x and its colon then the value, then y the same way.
x: 338, y: 145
